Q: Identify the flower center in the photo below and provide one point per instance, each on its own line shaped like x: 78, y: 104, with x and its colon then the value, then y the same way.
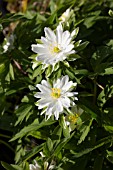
x: 56, y: 93
x: 56, y: 50
x: 73, y: 118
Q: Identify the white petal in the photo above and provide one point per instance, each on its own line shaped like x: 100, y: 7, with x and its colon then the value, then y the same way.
x: 56, y: 113
x: 32, y: 167
x: 58, y: 106
x: 65, y: 36
x: 41, y: 50
x: 59, y: 32
x: 69, y: 94
x: 45, y: 83
x: 45, y: 41
x: 65, y: 102
x: 76, y: 98
x: 42, y: 88
x: 42, y: 57
x: 69, y: 48
x: 72, y: 52
x: 60, y: 83
x: 50, y: 35
x: 42, y: 95
x: 67, y: 86
x: 34, y: 47
x: 44, y: 103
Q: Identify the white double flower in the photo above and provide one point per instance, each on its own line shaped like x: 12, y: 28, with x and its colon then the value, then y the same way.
x: 55, y: 47
x: 56, y: 97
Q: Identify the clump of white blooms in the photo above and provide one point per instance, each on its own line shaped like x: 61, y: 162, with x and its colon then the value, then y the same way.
x: 66, y: 16
x: 55, y: 47
x: 9, y: 43
x: 53, y: 99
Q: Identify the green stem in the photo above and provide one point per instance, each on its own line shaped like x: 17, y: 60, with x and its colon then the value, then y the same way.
x: 3, y: 142
x: 5, y: 136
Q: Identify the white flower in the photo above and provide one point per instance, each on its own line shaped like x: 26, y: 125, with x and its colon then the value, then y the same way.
x: 55, y: 98
x: 9, y: 41
x: 71, y: 119
x: 66, y: 16
x: 54, y: 48
x: 34, y: 167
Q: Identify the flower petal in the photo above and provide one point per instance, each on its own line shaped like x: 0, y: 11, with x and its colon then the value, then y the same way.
x: 59, y: 32
x: 50, y: 35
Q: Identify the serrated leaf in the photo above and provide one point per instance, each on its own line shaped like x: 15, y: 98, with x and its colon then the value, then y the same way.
x: 85, y: 132
x: 22, y: 112
x: 32, y: 127
x: 61, y: 144
x: 88, y: 150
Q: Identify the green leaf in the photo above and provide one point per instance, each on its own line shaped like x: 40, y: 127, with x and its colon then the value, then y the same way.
x: 73, y: 57
x: 14, y: 17
x: 109, y: 156
x: 33, y: 127
x: 51, y: 19
x: 108, y: 128
x: 61, y: 144
x: 85, y: 131
x: 37, y: 71
x: 48, y: 71
x: 90, y: 108
x: 22, y: 112
x: 25, y: 99
x: 41, y: 134
x: 81, y: 46
x: 32, y: 153
x: 11, y: 72
x: 49, y: 144
x: 107, y: 71
x: 48, y: 147
x: 69, y: 73
x: 100, y: 143
x: 10, y: 167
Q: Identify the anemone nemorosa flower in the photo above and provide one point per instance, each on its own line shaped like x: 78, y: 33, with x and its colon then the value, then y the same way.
x: 72, y: 118
x: 64, y: 18
x: 56, y: 97
x: 55, y: 47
